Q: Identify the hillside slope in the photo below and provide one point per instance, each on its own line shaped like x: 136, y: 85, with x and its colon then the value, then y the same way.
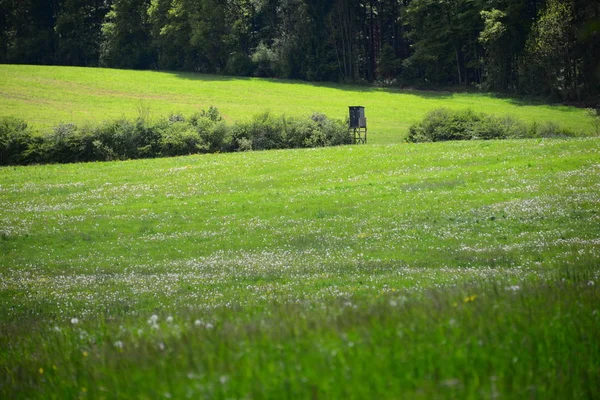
x: 46, y: 95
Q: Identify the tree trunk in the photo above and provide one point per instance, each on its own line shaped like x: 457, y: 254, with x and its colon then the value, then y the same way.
x: 458, y: 66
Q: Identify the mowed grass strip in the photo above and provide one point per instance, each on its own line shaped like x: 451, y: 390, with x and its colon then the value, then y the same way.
x: 46, y: 95
x: 449, y: 270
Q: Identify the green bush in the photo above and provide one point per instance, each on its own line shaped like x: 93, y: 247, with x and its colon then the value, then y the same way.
x: 15, y: 140
x: 335, y: 131
x: 266, y: 131
x: 64, y: 144
x: 299, y: 132
x: 178, y: 139
x: 549, y: 130
x: 203, y: 132
x: 148, y: 139
x: 443, y: 124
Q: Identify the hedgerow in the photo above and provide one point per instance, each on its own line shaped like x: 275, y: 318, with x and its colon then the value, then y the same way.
x: 443, y: 124
x: 203, y: 132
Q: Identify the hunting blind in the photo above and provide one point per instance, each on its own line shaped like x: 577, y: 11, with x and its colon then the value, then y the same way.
x: 358, y: 124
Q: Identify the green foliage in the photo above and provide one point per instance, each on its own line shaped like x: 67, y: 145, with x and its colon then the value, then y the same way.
x: 266, y: 61
x: 126, y: 36
x: 537, y: 47
x: 443, y: 42
x: 178, y: 138
x: 239, y: 65
x: 547, y: 66
x: 15, y: 139
x: 493, y: 39
x: 203, y: 132
x: 443, y: 124
x: 594, y: 113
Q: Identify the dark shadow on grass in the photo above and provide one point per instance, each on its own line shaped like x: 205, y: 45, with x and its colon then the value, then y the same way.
x: 370, y: 88
x: 350, y: 87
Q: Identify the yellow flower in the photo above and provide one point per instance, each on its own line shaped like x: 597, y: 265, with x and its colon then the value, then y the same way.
x: 85, y: 353
x: 470, y: 298
x: 41, y: 371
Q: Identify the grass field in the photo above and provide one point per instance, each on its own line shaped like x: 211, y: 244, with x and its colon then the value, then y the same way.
x: 46, y: 95
x: 454, y: 270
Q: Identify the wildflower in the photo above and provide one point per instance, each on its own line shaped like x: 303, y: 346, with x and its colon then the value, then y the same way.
x: 41, y: 370
x: 169, y: 319
x: 74, y: 321
x: 85, y: 353
x: 591, y: 283
x: 470, y: 298
x: 153, y: 321
x: 118, y: 344
x: 513, y: 288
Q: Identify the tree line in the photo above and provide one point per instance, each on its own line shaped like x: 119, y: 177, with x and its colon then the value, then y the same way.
x: 537, y: 47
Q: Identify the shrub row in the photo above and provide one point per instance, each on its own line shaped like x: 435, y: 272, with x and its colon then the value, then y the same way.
x: 203, y: 132
x: 443, y: 124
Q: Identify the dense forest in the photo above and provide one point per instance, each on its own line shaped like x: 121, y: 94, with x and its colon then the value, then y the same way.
x: 545, y: 48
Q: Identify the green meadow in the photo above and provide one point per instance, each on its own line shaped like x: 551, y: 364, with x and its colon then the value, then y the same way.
x: 454, y: 270
x: 45, y: 96
x: 458, y: 270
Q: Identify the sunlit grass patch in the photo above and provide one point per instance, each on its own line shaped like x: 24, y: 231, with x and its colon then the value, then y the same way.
x: 485, y: 339
x: 455, y: 270
x: 47, y: 95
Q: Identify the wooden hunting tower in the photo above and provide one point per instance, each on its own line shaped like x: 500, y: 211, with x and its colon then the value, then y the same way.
x: 358, y: 124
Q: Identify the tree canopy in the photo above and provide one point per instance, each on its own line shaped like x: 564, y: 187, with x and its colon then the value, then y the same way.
x: 538, y: 47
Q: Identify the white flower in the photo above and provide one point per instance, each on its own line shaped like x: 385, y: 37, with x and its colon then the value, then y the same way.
x: 74, y: 321
x: 118, y: 344
x: 153, y: 321
x: 169, y: 319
